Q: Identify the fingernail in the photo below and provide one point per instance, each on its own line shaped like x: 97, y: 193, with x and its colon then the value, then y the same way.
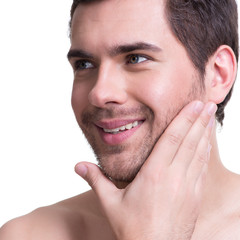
x: 81, y: 170
x: 212, y: 108
x: 198, y: 107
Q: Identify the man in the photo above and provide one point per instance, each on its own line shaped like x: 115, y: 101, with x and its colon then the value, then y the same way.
x: 148, y: 77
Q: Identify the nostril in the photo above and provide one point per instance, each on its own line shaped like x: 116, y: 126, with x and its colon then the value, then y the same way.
x: 101, y: 95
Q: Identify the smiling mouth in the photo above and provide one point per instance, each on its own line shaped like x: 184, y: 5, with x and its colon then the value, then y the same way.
x: 123, y: 128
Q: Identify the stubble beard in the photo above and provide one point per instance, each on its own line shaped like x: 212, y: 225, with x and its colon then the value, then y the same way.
x: 121, y: 163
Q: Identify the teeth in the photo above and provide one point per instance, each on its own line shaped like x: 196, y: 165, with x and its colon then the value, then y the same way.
x: 135, y: 124
x: 122, y: 128
x: 129, y: 126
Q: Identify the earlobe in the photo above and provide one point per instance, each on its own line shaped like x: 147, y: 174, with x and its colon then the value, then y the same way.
x: 223, y: 66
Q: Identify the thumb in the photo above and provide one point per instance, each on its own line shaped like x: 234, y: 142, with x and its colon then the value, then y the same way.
x: 91, y: 173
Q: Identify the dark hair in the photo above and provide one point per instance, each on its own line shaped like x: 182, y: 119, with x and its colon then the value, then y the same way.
x: 201, y: 26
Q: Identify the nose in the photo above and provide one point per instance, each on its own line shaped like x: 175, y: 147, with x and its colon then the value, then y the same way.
x: 109, y: 87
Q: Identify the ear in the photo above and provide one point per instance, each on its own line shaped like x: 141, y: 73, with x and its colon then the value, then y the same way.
x: 220, y: 74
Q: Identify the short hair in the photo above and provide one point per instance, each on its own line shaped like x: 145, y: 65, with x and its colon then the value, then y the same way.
x: 201, y: 26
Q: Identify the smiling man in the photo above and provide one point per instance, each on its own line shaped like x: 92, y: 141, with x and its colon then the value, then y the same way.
x: 150, y: 78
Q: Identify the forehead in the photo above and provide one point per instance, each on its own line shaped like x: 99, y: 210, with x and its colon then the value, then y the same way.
x: 107, y: 8
x: 117, y: 20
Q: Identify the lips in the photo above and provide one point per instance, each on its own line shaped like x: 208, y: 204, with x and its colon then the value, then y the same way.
x: 117, y: 131
x: 112, y: 124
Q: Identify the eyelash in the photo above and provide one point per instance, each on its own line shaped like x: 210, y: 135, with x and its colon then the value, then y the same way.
x: 138, y: 56
x: 77, y: 64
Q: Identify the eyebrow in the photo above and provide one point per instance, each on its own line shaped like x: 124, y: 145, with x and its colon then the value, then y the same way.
x: 78, y: 53
x: 125, y: 48
x: 115, y: 50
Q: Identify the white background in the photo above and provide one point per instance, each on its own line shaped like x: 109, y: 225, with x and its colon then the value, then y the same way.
x: 40, y: 142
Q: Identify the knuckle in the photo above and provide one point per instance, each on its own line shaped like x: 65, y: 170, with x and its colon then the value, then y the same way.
x: 189, y: 120
x: 92, y: 181
x: 203, y: 122
x: 190, y: 145
x: 202, y: 158
x: 174, y: 138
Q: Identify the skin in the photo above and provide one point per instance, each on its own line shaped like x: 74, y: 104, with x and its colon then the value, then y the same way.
x: 91, y: 96
x: 182, y: 191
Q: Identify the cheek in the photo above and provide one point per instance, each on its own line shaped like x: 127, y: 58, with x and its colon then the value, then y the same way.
x: 164, y: 92
x: 79, y: 98
x: 157, y: 92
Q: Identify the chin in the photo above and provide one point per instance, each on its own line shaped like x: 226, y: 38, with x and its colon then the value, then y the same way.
x: 121, y: 163
x: 120, y: 174
x: 124, y: 165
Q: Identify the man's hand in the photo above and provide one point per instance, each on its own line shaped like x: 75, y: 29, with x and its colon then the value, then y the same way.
x: 163, y: 200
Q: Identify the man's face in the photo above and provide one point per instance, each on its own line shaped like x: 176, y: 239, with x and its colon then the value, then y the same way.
x: 131, y: 78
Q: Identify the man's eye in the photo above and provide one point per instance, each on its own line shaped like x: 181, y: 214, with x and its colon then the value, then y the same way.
x: 83, y: 64
x: 134, y: 59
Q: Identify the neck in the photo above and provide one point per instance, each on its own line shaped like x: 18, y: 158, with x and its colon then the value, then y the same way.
x: 219, y: 182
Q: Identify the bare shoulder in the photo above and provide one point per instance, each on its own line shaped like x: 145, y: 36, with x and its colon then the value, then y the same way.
x: 31, y: 225
x: 14, y: 229
x: 67, y: 220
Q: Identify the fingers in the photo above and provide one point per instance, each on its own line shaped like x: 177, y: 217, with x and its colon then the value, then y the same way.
x: 178, y: 144
x: 169, y: 143
x: 199, y: 135
x: 198, y: 165
x: 95, y: 178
